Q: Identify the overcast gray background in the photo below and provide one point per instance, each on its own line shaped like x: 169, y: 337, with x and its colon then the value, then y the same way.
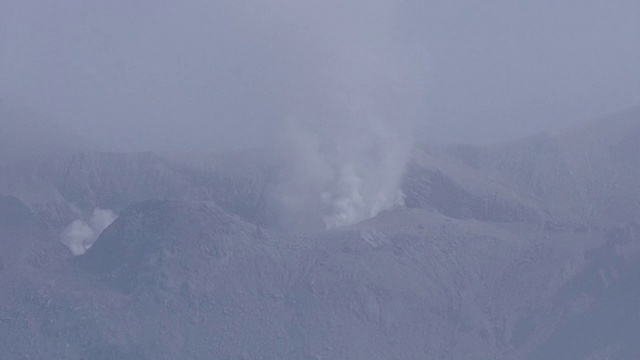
x: 157, y: 74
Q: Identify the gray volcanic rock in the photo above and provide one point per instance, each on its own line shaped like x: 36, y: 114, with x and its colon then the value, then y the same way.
x: 588, y: 174
x: 452, y: 194
x: 597, y: 310
x: 511, y: 251
x: 25, y: 243
x: 583, y: 177
x: 191, y: 281
x: 156, y: 236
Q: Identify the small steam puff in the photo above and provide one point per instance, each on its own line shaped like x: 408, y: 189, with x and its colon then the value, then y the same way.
x: 79, y: 236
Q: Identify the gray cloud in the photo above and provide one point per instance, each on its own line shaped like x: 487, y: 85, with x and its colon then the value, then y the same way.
x: 210, y: 74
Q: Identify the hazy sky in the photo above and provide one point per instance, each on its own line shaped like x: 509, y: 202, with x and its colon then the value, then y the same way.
x: 152, y: 74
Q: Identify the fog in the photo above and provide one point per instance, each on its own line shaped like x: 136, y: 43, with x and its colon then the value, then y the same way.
x: 209, y: 75
x: 231, y: 179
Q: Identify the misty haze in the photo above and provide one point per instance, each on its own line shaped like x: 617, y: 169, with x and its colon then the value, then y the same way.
x: 382, y: 179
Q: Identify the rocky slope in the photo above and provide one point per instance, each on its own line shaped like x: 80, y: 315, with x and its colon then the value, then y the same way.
x: 519, y: 250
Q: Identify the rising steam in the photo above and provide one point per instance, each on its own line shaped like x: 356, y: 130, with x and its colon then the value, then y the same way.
x: 341, y: 176
x: 349, y: 114
x: 80, y: 235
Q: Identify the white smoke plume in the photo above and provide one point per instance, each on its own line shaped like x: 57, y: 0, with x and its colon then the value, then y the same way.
x: 80, y: 235
x: 347, y: 133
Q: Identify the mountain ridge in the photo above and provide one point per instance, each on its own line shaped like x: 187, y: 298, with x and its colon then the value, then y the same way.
x: 516, y: 250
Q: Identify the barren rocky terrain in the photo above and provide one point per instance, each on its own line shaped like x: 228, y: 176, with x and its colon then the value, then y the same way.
x: 522, y: 250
